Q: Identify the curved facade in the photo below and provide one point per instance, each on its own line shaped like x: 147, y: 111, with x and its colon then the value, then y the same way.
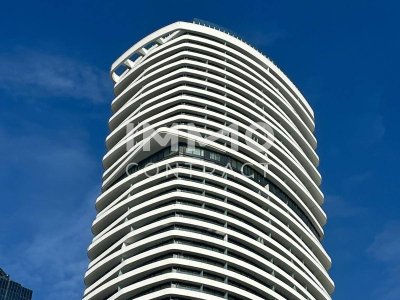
x: 211, y: 188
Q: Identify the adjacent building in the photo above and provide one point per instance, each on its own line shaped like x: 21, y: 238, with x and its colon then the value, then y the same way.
x: 210, y: 186
x: 11, y: 290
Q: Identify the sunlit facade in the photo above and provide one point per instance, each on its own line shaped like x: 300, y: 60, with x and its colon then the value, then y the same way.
x: 230, y: 210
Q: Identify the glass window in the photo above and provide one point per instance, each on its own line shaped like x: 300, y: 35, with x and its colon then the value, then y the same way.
x: 195, y: 151
x: 215, y: 156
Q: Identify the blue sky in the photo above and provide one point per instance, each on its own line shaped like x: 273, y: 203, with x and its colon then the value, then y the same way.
x: 55, y: 97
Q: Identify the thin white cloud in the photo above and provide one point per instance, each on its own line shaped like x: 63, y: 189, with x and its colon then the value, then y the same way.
x: 337, y: 207
x: 46, y: 243
x: 38, y: 75
x: 61, y: 253
x: 359, y: 178
x: 54, y: 260
x: 386, y: 245
x: 385, y: 249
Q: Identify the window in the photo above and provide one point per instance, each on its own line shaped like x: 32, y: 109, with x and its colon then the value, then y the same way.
x: 215, y: 156
x: 195, y: 151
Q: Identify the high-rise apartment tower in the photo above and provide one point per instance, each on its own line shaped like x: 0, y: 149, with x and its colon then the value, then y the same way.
x: 210, y: 185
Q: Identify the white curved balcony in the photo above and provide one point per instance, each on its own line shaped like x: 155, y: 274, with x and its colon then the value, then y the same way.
x: 233, y: 211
